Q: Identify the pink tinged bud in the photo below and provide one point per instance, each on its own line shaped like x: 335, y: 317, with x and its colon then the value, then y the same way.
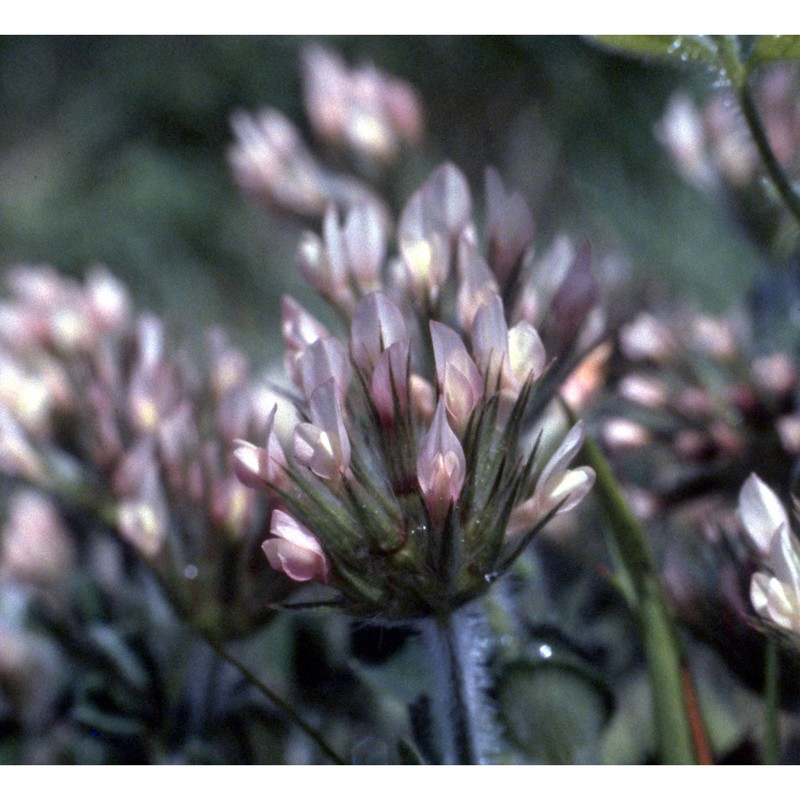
x: 714, y: 336
x: 490, y: 342
x: 144, y: 521
x: 228, y: 367
x: 423, y: 397
x: 575, y: 297
x: 510, y: 226
x: 526, y: 353
x: 325, y: 92
x: 323, y: 444
x: 35, y: 544
x: 335, y: 248
x: 267, y: 396
x: 108, y: 299
x: 586, y: 380
x: 251, y: 465
x: 390, y: 380
x: 441, y: 205
x: 762, y: 513
x: 177, y: 436
x: 649, y: 392
x: 365, y: 243
x: 17, y: 455
x: 775, y: 374
x: 788, y: 428
x: 150, y: 342
x: 556, y: 485
x: 427, y: 265
x: 681, y: 132
x: 646, y: 338
x: 621, y: 434
x: 269, y: 159
x: 441, y: 466
x: 38, y: 285
x: 507, y: 358
x: 476, y: 282
x: 377, y: 324
x: 260, y: 467
x: 405, y: 110
x: 322, y: 361
x: 300, y: 329
x: 294, y: 550
x: 135, y: 465
x: 232, y: 506
x: 322, y: 262
x: 460, y: 382
x: 431, y: 221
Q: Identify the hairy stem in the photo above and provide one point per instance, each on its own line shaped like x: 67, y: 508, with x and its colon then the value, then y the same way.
x: 458, y: 645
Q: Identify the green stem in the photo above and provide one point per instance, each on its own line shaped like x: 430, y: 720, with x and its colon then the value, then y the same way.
x: 774, y: 169
x: 276, y: 699
x: 738, y: 74
x: 772, y: 738
x: 640, y: 580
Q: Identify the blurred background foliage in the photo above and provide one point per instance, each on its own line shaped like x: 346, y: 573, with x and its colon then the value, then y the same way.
x: 112, y: 150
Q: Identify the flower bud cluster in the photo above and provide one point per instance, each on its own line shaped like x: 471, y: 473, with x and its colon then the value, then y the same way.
x: 98, y: 408
x: 700, y: 409
x: 363, y: 111
x: 412, y: 478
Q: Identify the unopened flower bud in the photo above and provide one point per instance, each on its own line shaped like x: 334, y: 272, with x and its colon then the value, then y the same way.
x: 510, y: 227
x: 390, y: 382
x: 377, y: 324
x: 323, y: 445
x: 295, y: 550
x: 441, y: 466
x: 646, y: 338
x: 460, y: 383
x: 623, y: 434
x: 557, y: 486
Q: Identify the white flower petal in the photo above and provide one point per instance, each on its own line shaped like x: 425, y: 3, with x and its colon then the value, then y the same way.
x: 761, y: 511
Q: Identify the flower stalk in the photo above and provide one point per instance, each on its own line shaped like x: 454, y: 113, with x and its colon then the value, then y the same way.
x: 275, y: 699
x: 464, y: 720
x: 639, y: 578
x: 773, y: 167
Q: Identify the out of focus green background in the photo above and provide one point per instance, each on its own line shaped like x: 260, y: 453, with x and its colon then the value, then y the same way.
x: 113, y: 150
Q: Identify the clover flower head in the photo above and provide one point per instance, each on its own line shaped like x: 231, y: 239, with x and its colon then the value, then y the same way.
x: 411, y: 479
x: 97, y: 401
x: 701, y: 404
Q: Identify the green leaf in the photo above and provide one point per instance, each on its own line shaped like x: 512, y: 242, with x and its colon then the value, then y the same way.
x: 555, y: 712
x: 675, y: 48
x: 773, y: 48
